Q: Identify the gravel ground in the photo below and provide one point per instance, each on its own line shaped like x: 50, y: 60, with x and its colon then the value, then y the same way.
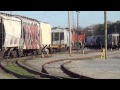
x: 97, y: 68
x: 38, y: 62
x: 4, y: 75
x: 54, y: 69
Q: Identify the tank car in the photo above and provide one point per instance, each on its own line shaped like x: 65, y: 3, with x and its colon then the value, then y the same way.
x: 96, y: 41
x: 88, y: 41
x: 102, y: 41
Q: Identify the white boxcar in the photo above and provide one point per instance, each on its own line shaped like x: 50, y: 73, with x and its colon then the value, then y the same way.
x: 30, y: 31
x: 11, y: 29
x: 60, y: 36
x: 45, y: 34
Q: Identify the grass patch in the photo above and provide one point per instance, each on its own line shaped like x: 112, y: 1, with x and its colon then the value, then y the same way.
x: 15, y: 68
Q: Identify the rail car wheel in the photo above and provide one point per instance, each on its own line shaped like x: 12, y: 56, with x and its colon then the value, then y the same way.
x: 62, y: 49
x: 50, y: 50
x: 65, y: 48
x: 1, y: 55
x: 13, y: 54
x: 20, y: 53
x: 78, y: 46
x: 35, y: 53
x: 59, y: 50
x: 38, y: 52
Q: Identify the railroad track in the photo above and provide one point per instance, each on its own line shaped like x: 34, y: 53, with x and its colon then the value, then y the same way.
x: 15, y: 66
x: 11, y: 66
x: 56, y: 67
x: 19, y: 69
x: 4, y: 75
x: 73, y: 73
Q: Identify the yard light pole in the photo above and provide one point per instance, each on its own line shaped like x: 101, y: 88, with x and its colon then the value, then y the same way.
x: 69, y: 25
x: 105, y: 25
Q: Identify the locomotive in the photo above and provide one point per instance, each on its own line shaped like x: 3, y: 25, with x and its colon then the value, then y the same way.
x: 78, y: 39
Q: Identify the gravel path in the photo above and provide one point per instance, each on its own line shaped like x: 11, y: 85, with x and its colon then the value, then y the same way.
x: 98, y: 69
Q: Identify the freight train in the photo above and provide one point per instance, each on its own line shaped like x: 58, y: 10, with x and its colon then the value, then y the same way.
x: 113, y: 41
x: 60, y: 39
x: 23, y: 36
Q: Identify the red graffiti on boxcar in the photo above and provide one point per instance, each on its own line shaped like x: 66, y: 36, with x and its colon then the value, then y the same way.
x: 31, y: 34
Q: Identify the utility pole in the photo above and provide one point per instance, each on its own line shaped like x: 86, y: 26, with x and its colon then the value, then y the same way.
x: 105, y: 22
x: 69, y: 33
x: 77, y: 27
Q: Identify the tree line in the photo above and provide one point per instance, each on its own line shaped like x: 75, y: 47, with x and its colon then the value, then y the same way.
x: 98, y: 29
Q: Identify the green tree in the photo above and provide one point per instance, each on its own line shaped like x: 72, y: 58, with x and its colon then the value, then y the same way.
x: 100, y: 30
